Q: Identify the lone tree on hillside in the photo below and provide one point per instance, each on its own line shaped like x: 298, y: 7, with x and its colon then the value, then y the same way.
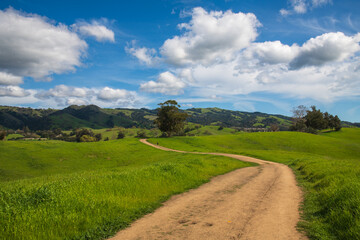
x: 170, y: 120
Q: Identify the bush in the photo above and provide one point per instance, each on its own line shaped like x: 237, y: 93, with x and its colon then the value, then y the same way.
x: 2, y: 135
x: 141, y: 134
x: 86, y: 135
x: 121, y: 134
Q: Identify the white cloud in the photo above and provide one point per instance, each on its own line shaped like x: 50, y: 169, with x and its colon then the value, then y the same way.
x: 63, y: 91
x: 210, y: 37
x: 167, y: 83
x: 216, y: 56
x: 13, y: 91
x: 63, y: 95
x: 272, y: 52
x: 284, y: 12
x: 110, y: 94
x: 32, y: 46
x: 317, y: 3
x: 302, y: 6
x: 97, y: 30
x: 326, y: 48
x: 187, y: 105
x: 76, y: 101
x: 9, y: 79
x: 299, y: 6
x: 143, y: 54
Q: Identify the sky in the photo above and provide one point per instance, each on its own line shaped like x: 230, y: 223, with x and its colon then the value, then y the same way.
x: 265, y: 56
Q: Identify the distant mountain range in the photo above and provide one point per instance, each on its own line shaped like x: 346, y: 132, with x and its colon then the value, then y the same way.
x: 95, y: 117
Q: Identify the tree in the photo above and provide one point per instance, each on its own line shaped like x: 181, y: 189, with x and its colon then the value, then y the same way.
x: 141, y: 134
x: 336, y: 123
x: 299, y: 120
x: 170, y: 119
x: 86, y: 135
x: 315, y: 119
x: 274, y: 128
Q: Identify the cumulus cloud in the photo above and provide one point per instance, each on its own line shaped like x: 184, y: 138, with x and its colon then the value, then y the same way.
x: 9, y: 79
x: 210, y: 37
x: 325, y: 83
x: 62, y: 91
x: 167, y: 83
x: 143, y: 54
x: 216, y: 55
x: 64, y: 95
x: 13, y: 91
x: 32, y: 46
x: 326, y: 48
x: 110, y: 94
x: 97, y: 30
x: 272, y: 52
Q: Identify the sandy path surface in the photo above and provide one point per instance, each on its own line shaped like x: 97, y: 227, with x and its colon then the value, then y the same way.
x: 250, y: 203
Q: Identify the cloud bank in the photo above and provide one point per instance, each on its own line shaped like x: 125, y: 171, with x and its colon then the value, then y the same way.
x: 216, y: 55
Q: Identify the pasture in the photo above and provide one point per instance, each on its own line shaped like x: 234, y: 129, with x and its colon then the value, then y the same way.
x: 63, y: 190
x: 327, y: 167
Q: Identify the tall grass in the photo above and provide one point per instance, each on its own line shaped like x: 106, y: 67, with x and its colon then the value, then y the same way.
x: 327, y: 166
x: 60, y: 190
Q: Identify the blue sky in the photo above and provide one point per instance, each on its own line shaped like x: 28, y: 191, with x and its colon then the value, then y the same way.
x: 267, y: 56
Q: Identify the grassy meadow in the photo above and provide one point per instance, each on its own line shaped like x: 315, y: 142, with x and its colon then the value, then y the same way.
x: 327, y: 167
x: 63, y: 190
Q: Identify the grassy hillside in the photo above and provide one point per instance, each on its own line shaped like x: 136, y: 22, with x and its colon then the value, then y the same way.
x: 62, y: 190
x: 327, y: 166
x: 91, y: 116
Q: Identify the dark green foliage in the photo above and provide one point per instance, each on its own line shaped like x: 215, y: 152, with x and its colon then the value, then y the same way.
x: 314, y: 120
x: 141, y: 134
x: 121, y: 134
x: 86, y: 135
x: 170, y: 119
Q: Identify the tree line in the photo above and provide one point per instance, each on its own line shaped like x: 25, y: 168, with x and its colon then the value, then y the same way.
x: 312, y: 120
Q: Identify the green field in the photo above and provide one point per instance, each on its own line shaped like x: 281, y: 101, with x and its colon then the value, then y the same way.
x: 327, y: 167
x: 63, y: 190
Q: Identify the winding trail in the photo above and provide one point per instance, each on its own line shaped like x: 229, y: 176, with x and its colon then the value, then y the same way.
x: 250, y: 203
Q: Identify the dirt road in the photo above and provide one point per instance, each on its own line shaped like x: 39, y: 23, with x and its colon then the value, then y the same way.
x: 250, y: 203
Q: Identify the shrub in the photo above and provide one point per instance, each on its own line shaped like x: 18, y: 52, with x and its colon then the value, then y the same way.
x: 141, y: 134
x: 121, y: 134
x: 2, y: 135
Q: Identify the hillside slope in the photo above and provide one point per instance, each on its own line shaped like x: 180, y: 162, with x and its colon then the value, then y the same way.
x: 92, y: 116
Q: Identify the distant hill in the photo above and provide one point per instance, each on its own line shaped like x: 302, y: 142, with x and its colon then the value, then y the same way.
x: 95, y: 117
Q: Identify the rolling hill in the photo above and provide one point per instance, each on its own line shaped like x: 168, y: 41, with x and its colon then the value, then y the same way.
x: 92, y: 116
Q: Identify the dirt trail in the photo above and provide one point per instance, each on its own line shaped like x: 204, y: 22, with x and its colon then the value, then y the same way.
x: 250, y: 203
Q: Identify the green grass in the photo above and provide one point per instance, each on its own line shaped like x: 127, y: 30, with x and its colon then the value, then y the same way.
x: 210, y: 130
x: 62, y: 190
x: 14, y: 136
x: 327, y: 167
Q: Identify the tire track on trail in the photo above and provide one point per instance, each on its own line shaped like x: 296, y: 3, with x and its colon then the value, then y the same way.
x: 259, y: 202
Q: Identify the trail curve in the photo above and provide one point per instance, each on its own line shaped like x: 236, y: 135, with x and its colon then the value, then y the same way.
x: 255, y: 203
